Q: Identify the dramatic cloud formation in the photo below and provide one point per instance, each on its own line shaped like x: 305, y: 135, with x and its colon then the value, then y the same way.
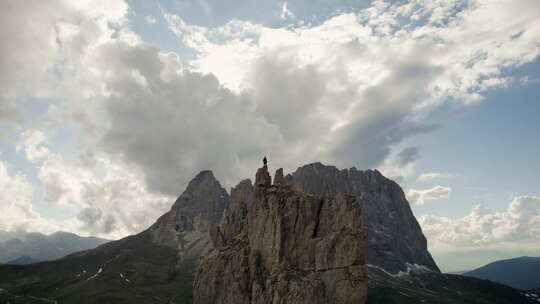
x: 18, y: 212
x: 359, y: 83
x: 520, y: 222
x: 16, y: 200
x: 347, y: 90
x: 115, y: 204
x: 419, y: 197
x: 32, y: 50
x: 509, y: 233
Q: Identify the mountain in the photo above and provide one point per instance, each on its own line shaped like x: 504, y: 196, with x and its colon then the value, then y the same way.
x: 185, y: 227
x: 521, y: 273
x: 395, y: 239
x: 458, y: 272
x: 8, y: 235
x: 156, y: 265
x: 41, y: 247
x: 24, y: 260
x: 288, y: 247
x: 159, y: 264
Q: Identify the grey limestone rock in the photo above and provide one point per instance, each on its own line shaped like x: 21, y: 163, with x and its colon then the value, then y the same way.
x: 395, y: 239
x: 243, y: 192
x: 279, y: 180
x: 185, y: 227
x: 263, y: 178
x: 287, y: 247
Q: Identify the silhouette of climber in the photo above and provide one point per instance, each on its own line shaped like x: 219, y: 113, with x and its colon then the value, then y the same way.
x: 265, y: 161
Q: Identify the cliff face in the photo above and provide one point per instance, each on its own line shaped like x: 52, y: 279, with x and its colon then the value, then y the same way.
x: 243, y: 192
x: 287, y: 247
x: 395, y: 239
x: 185, y: 227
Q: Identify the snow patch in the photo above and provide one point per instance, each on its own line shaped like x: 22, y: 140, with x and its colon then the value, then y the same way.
x: 95, y: 276
x: 411, y: 268
x: 82, y: 273
x: 126, y: 279
x: 380, y: 268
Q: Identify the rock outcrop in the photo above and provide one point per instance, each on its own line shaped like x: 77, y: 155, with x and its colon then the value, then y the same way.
x: 243, y: 192
x: 287, y: 247
x: 395, y: 239
x: 185, y: 227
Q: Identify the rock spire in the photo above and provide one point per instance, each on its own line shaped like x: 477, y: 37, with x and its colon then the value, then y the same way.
x: 287, y: 247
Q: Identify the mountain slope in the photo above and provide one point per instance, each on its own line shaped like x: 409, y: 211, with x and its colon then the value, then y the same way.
x: 41, y: 247
x: 24, y: 260
x: 129, y: 270
x: 420, y: 286
x: 521, y: 273
x: 154, y: 266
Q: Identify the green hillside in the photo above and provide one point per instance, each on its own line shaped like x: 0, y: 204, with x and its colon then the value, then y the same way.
x: 133, y: 270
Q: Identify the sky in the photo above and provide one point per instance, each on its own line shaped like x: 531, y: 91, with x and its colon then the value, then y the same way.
x: 109, y: 107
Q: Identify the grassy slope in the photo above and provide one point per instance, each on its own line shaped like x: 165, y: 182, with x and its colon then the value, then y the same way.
x: 443, y: 289
x: 150, y: 269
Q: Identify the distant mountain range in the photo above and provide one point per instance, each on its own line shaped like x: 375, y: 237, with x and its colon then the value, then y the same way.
x: 24, y: 260
x: 521, y: 273
x: 25, y: 248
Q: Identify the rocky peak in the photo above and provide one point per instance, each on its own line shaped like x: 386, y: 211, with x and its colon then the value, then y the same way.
x: 243, y: 192
x: 279, y: 180
x: 287, y: 247
x: 204, y: 199
x: 263, y: 178
x: 185, y: 227
x: 205, y: 180
x: 395, y: 239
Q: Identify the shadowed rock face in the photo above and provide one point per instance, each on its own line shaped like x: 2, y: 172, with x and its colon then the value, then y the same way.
x: 185, y: 227
x: 287, y: 247
x: 395, y: 238
x: 243, y: 192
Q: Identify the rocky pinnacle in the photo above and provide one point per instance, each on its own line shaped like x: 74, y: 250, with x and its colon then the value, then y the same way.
x: 287, y: 247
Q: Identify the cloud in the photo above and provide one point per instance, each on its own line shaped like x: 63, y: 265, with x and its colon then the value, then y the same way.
x: 18, y: 212
x: 150, y: 19
x: 432, y: 175
x: 483, y: 232
x: 31, y: 52
x: 526, y: 81
x: 407, y: 156
x: 401, y: 165
x: 94, y: 220
x: 419, y: 197
x: 112, y: 197
x: 352, y: 88
x: 33, y: 142
x: 519, y: 222
x: 484, y: 235
x: 286, y: 13
x: 443, y: 34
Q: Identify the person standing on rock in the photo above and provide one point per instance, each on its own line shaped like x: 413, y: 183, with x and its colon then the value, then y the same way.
x: 265, y: 161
